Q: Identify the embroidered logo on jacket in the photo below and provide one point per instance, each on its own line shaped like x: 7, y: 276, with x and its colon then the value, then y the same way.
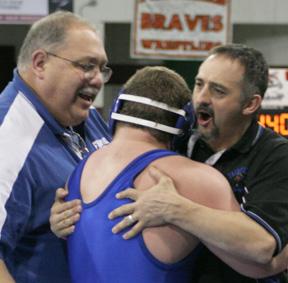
x: 100, y: 143
x: 236, y: 179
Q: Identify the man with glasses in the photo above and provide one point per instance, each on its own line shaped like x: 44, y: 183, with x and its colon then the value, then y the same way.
x: 89, y: 69
x: 48, y: 125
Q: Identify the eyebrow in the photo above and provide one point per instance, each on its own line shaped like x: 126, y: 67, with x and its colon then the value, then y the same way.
x: 95, y: 60
x: 213, y: 84
x: 219, y: 85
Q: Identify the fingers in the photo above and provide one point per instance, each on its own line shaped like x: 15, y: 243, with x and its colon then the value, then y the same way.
x: 128, y: 193
x: 159, y: 176
x: 64, y: 233
x: 64, y: 227
x: 127, y: 209
x: 64, y: 216
x: 59, y: 207
x: 68, y: 222
x: 156, y: 173
x: 122, y: 210
x: 137, y: 228
x: 126, y: 222
x: 61, y: 193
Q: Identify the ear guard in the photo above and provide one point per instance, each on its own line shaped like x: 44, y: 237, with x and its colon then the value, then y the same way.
x: 186, y: 124
x: 181, y: 130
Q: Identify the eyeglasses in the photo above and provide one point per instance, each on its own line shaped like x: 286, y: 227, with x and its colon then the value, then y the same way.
x: 90, y: 69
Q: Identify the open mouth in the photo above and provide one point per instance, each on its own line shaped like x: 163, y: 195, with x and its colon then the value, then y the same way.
x: 87, y: 96
x: 204, y: 117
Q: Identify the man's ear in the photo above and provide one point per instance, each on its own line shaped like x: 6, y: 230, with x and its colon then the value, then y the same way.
x: 252, y: 105
x: 39, y: 58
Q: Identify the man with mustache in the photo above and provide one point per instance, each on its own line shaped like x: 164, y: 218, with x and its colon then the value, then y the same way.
x: 48, y: 125
x: 229, y: 88
x: 228, y: 91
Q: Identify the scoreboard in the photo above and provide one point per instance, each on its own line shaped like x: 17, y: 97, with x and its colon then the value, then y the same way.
x: 277, y: 120
x: 274, y: 113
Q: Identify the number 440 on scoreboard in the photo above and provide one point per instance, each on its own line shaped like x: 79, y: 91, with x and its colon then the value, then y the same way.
x: 277, y: 120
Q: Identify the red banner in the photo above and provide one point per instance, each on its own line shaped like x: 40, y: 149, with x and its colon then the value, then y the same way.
x: 179, y: 29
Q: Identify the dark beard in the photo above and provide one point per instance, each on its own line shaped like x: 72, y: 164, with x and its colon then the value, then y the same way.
x: 208, y: 137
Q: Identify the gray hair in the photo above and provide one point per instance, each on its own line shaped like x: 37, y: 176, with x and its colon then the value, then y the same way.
x: 256, y: 68
x: 49, y: 33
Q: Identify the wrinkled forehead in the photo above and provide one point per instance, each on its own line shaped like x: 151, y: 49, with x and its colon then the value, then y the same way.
x: 221, y: 69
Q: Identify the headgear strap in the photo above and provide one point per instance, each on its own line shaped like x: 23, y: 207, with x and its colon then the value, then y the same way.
x: 148, y: 123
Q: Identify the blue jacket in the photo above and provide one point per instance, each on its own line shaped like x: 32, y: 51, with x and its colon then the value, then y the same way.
x: 34, y: 162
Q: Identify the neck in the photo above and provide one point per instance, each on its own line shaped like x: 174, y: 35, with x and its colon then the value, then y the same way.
x: 136, y: 137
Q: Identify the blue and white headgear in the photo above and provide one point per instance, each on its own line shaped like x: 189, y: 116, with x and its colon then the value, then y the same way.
x: 181, y: 130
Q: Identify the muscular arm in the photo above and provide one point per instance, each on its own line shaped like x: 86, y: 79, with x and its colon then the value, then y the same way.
x: 4, y: 273
x: 277, y: 264
x: 245, y: 246
x: 231, y: 235
x: 230, y: 231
